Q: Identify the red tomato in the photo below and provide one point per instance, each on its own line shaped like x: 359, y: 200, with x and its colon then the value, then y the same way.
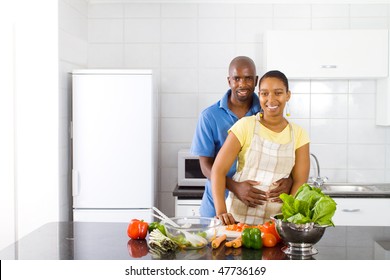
x: 269, y: 240
x: 137, y: 229
x: 269, y: 227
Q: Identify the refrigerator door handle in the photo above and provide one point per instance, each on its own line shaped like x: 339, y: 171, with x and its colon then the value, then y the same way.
x: 75, y: 182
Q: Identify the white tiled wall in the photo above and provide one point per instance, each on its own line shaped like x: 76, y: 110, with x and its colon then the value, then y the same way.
x: 72, y: 55
x: 190, y: 46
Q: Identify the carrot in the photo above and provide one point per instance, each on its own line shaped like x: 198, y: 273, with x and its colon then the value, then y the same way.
x: 237, y: 243
x: 231, y: 243
x: 217, y: 241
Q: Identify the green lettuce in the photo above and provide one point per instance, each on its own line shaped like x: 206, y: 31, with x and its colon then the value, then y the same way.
x: 309, y: 204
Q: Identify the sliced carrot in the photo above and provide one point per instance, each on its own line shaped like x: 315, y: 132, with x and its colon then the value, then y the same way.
x: 217, y: 241
x: 232, y: 227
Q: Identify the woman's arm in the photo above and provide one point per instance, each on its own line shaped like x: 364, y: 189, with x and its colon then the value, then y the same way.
x: 224, y: 160
x: 244, y: 191
x: 300, y: 172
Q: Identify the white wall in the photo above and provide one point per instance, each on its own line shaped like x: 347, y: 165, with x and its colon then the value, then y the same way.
x: 43, y: 41
x: 31, y: 132
x: 7, y: 194
x: 191, y: 45
x: 72, y: 55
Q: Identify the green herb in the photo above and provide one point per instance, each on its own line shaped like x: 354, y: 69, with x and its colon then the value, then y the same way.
x: 160, y: 227
x: 309, y: 204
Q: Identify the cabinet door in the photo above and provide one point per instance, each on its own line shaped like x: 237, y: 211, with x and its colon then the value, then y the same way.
x: 362, y: 212
x: 289, y: 52
x: 187, y: 208
x: 349, y: 54
x: 328, y: 53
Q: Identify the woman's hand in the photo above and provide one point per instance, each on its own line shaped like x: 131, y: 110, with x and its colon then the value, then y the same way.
x: 226, y: 218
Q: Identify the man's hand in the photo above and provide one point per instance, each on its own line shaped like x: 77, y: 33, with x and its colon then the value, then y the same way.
x: 247, y: 193
x: 282, y: 186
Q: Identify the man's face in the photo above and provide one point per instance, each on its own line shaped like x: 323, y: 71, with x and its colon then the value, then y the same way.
x: 242, y: 81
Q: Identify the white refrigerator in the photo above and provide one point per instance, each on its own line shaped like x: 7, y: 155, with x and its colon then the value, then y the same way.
x: 114, y: 145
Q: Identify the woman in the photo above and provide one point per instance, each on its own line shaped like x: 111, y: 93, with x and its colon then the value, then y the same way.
x: 268, y: 148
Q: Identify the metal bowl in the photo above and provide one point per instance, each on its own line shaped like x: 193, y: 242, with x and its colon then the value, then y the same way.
x: 193, y: 232
x: 299, y: 238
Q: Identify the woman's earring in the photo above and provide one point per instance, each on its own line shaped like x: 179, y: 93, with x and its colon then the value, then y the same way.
x: 288, y: 109
x: 261, y: 113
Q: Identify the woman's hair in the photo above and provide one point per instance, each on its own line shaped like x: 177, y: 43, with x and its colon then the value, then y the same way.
x: 275, y: 74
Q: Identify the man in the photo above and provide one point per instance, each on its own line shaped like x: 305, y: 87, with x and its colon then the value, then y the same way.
x: 212, y: 130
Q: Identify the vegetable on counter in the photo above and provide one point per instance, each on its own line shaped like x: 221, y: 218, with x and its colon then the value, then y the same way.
x: 237, y: 227
x: 217, y: 241
x: 137, y: 229
x: 157, y: 240
x: 270, y: 227
x: 269, y: 240
x: 308, y: 205
x: 235, y: 243
x: 160, y: 227
x: 251, y: 238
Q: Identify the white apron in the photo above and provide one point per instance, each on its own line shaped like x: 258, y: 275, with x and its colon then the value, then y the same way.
x: 266, y: 162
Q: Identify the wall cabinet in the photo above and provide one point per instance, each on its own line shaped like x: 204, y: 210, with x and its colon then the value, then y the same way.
x: 383, y: 102
x: 362, y: 212
x: 312, y: 54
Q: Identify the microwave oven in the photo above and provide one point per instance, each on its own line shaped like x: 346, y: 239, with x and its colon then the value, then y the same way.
x: 189, y: 171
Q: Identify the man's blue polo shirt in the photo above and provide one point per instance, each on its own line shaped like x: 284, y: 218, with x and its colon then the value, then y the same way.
x: 210, y: 134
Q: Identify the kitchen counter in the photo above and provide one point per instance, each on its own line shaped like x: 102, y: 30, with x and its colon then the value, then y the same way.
x: 188, y: 192
x: 109, y: 241
x: 382, y: 191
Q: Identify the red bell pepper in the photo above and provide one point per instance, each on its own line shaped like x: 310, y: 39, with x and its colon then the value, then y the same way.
x: 137, y: 229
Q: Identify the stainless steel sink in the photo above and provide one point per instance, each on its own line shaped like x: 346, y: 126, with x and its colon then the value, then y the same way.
x: 334, y: 188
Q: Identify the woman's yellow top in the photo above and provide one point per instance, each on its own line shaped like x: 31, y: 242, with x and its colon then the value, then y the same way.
x: 243, y: 129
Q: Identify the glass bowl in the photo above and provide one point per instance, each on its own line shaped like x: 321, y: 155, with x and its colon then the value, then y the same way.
x: 299, y: 238
x: 193, y: 232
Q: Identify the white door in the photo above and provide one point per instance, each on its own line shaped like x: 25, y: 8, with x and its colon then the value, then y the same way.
x: 112, y: 141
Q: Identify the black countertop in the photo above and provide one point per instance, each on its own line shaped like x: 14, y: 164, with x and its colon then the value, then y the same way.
x: 188, y: 192
x: 109, y: 241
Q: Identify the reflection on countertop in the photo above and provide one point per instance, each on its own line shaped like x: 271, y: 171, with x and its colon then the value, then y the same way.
x: 109, y: 241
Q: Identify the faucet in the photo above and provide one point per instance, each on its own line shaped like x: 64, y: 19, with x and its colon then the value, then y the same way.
x: 318, y: 181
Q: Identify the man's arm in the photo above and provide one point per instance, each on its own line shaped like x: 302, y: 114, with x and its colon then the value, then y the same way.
x: 283, y: 185
x: 206, y: 163
x: 244, y: 191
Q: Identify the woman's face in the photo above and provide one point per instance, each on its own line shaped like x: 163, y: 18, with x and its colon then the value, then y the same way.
x: 273, y: 96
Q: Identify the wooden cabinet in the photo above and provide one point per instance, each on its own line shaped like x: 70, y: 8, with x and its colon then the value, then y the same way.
x: 312, y: 54
x: 362, y: 212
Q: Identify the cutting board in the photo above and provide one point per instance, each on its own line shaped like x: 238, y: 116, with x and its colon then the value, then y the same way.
x: 230, y: 235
